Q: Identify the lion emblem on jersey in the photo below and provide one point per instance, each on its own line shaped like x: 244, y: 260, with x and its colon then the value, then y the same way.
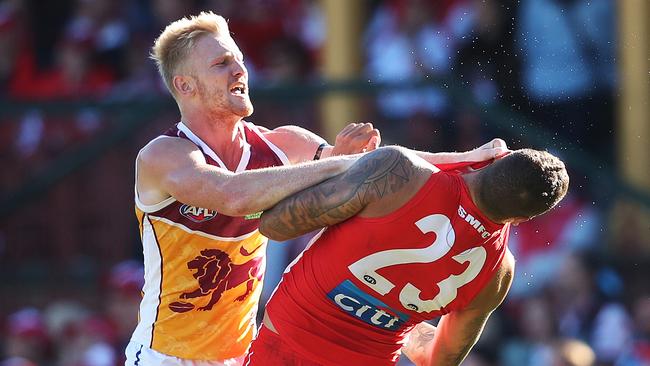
x: 216, y: 273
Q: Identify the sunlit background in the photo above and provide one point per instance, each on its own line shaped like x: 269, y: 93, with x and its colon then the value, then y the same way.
x: 79, y: 97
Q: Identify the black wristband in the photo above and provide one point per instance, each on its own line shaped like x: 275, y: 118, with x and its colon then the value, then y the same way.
x: 320, y: 150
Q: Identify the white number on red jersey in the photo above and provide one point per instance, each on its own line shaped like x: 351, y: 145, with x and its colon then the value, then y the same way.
x: 365, y: 269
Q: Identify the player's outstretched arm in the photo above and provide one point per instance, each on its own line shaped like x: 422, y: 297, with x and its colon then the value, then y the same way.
x: 175, y: 167
x: 375, y: 175
x: 301, y: 145
x: 458, y: 331
x: 490, y: 150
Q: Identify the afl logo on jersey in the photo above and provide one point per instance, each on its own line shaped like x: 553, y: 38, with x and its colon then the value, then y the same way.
x: 197, y: 214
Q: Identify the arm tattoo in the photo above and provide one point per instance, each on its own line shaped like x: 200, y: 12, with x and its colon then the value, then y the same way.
x: 372, y: 177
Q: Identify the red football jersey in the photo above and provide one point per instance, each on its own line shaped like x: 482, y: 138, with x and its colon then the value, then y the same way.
x: 351, y: 297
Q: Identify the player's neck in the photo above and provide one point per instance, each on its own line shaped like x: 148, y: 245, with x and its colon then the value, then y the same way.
x: 472, y: 181
x: 224, y: 137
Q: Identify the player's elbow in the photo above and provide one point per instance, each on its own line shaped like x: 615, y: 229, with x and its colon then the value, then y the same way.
x: 235, y: 200
x: 267, y: 228
x: 236, y: 206
x: 209, y: 196
x: 274, y: 235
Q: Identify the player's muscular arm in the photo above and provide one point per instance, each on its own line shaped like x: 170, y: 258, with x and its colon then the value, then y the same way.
x: 175, y: 167
x: 296, y: 142
x: 491, y: 150
x: 457, y: 332
x: 375, y: 175
x: 301, y: 145
x: 451, y: 344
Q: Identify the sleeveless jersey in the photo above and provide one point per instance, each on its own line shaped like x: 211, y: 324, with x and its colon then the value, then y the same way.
x: 203, y: 269
x: 351, y: 296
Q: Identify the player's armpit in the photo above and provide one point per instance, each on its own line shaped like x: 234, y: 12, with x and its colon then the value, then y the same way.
x: 375, y: 175
x: 419, y: 342
x: 458, y: 331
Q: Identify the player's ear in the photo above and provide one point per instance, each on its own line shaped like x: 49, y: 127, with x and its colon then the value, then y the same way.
x: 183, y: 85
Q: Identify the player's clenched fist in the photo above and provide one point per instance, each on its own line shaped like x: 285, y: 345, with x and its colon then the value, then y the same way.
x: 356, y: 138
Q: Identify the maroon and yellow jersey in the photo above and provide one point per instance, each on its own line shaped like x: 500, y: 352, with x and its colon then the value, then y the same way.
x: 203, y: 269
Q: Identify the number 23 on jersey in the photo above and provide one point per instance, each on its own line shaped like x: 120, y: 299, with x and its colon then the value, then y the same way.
x: 365, y: 269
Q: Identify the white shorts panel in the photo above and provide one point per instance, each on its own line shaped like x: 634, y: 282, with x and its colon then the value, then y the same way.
x: 140, y: 355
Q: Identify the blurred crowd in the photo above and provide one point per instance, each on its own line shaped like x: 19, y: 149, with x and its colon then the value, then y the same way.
x: 576, y: 300
x: 68, y: 332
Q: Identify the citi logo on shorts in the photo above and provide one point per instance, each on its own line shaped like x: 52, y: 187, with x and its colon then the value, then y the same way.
x: 197, y: 214
x: 357, y: 303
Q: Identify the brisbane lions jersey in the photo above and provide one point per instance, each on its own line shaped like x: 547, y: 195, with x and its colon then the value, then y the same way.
x: 351, y: 297
x: 203, y: 269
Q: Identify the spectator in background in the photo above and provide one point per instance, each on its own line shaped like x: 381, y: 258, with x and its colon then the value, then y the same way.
x: 65, y: 319
x: 573, y: 352
x: 575, y: 296
x: 123, y: 296
x: 638, y: 350
x: 106, y: 22
x: 536, y: 331
x: 410, y: 40
x: 27, y: 342
x: 140, y: 80
x: 415, y: 40
x: 568, y: 69
x: 485, y: 62
x: 485, y: 67
x: 572, y: 226
x: 163, y: 12
x: 74, y: 75
x: 286, y: 61
x: 17, y: 64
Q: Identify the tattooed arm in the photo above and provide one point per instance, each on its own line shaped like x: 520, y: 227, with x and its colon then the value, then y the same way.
x: 378, y: 175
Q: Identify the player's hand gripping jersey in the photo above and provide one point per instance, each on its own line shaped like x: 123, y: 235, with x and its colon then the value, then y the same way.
x: 352, y: 296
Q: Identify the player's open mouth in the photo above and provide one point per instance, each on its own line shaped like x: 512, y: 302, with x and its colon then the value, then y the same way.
x: 238, y: 90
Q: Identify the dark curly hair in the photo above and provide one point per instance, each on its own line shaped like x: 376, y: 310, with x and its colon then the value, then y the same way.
x: 523, y: 184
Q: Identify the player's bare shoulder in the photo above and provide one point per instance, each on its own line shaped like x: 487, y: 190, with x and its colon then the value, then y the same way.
x: 156, y: 162
x: 166, y: 150
x: 391, y: 176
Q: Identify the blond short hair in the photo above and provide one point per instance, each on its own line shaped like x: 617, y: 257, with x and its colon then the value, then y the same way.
x: 178, y: 38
